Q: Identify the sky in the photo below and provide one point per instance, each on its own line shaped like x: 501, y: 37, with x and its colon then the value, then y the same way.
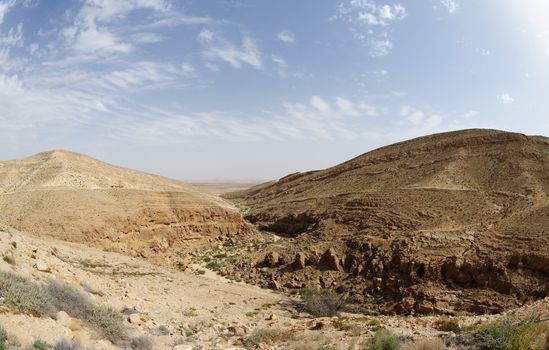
x: 219, y: 90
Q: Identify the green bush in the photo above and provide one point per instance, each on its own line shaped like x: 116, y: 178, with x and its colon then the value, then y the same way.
x: 322, y: 303
x: 65, y: 344
x: 141, y: 343
x: 103, y: 319
x: 39, y: 344
x: 506, y: 335
x: 24, y: 296
x: 383, y: 340
x: 3, y: 338
x: 267, y: 336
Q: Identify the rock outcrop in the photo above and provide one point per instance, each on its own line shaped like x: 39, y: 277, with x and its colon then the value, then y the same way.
x: 453, y: 221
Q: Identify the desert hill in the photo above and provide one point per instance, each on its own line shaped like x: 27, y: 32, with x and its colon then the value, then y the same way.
x: 453, y: 221
x: 77, y: 198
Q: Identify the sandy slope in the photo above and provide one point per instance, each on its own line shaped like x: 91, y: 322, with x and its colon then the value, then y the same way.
x: 77, y: 198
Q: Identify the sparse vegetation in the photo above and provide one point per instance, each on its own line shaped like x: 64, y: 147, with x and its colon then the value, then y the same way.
x: 22, y: 295
x: 103, y: 319
x: 383, y: 340
x: 507, y: 335
x: 447, y: 324
x: 39, y: 344
x: 428, y: 344
x: 3, y: 338
x: 8, y: 258
x: 65, y: 344
x: 267, y: 336
x: 213, y: 265
x: 141, y: 343
x: 322, y: 303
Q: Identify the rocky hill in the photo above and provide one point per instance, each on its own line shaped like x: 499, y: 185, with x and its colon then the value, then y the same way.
x: 77, y: 198
x: 448, y: 222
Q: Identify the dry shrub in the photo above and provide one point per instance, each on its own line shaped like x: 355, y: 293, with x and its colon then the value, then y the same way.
x: 428, y: 344
x: 267, y: 336
x: 447, y: 324
x: 322, y: 303
x: 22, y: 295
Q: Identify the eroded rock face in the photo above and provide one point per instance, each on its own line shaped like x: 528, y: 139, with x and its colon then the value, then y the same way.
x: 77, y: 198
x: 448, y: 222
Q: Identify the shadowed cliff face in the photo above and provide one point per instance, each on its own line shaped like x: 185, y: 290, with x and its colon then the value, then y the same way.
x: 453, y: 221
x: 77, y: 198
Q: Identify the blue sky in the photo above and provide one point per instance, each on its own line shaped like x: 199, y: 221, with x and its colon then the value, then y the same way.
x: 228, y: 89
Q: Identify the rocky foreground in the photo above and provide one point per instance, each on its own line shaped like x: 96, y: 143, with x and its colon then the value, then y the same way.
x: 161, y: 308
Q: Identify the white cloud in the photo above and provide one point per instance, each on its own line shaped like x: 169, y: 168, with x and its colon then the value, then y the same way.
x: 5, y: 7
x: 319, y: 104
x: 147, y: 38
x: 450, y: 5
x: 187, y: 68
x: 471, y: 114
x: 419, y: 118
x: 286, y: 37
x: 380, y: 47
x: 220, y: 49
x: 505, y: 98
x: 369, y: 21
x: 14, y: 37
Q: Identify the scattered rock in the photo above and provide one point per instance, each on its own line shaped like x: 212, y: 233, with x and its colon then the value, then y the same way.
x: 138, y: 319
x: 299, y: 261
x: 271, y: 259
x: 42, y: 267
x: 238, y: 330
x: 183, y: 347
x: 330, y: 260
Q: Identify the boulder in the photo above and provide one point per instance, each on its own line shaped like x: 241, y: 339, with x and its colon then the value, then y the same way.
x: 299, y: 261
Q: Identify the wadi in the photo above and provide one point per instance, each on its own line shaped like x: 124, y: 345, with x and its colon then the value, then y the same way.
x: 440, y: 242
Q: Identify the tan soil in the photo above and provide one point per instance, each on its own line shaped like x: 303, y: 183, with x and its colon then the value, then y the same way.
x: 77, y: 198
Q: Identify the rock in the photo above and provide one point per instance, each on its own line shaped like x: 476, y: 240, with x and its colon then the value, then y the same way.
x: 270, y: 317
x: 330, y: 260
x: 138, y: 319
x: 299, y: 261
x: 271, y: 259
x: 42, y: 267
x: 238, y: 330
x: 65, y: 320
x: 183, y: 347
x: 184, y: 263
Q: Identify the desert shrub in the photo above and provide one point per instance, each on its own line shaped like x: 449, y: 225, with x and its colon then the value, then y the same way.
x: 322, y: 303
x: 383, y: 340
x: 108, y: 322
x: 447, y: 324
x: 39, y: 344
x: 103, y: 319
x: 3, y: 338
x: 9, y: 259
x: 428, y: 344
x: 23, y: 295
x: 141, y: 343
x: 88, y: 288
x: 267, y: 336
x: 65, y: 344
x: 506, y: 335
x: 213, y: 265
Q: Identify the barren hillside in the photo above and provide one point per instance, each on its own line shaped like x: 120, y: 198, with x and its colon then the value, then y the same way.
x: 77, y: 198
x: 453, y: 221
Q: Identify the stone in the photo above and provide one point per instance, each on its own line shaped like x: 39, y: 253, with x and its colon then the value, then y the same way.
x: 330, y: 260
x: 299, y: 261
x: 238, y: 330
x: 138, y: 319
x: 42, y: 267
x: 183, y: 347
x: 271, y: 259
